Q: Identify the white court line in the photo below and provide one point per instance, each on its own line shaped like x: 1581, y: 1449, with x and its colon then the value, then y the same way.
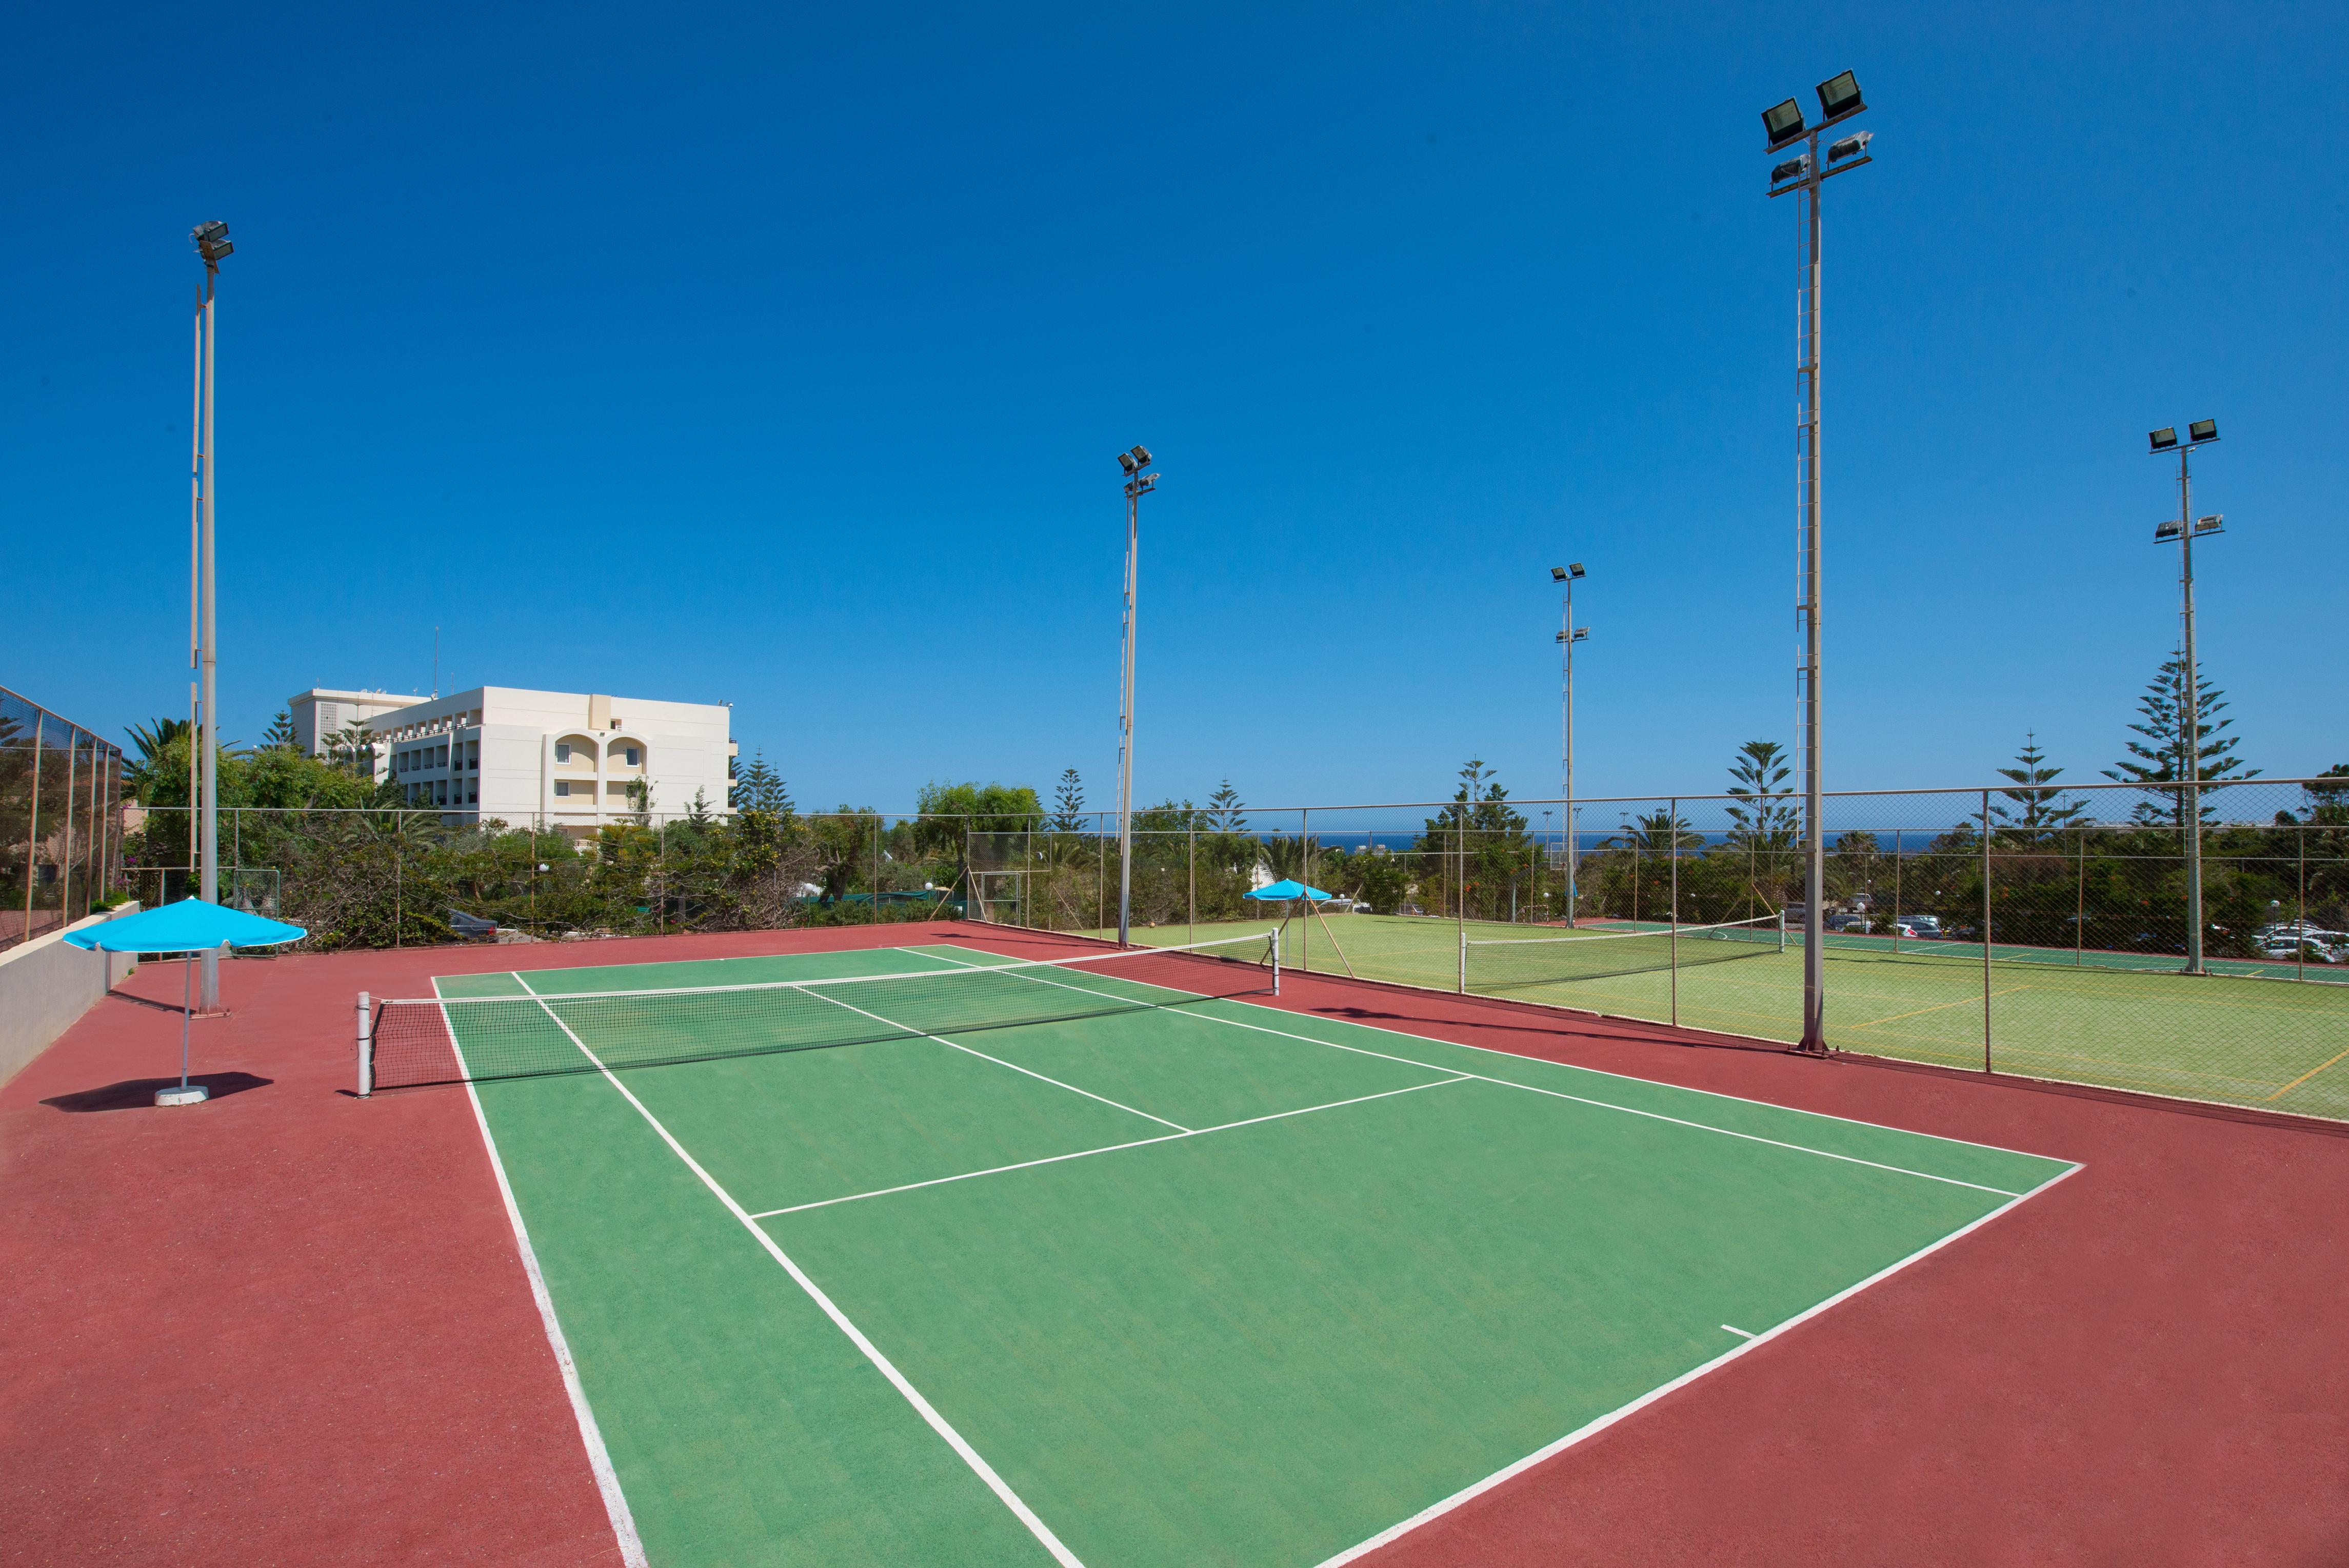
x: 937, y: 1423
x: 1517, y: 1056
x: 1477, y: 1490
x: 1554, y: 1093
x: 1742, y: 1333
x: 924, y: 1034
x: 599, y: 1457
x: 1113, y: 1148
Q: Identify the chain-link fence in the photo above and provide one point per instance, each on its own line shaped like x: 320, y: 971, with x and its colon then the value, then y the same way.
x: 2039, y: 932
x: 60, y: 820
x: 385, y: 877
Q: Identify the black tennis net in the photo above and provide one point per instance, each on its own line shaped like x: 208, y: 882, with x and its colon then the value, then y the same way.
x: 1517, y: 963
x: 534, y: 1028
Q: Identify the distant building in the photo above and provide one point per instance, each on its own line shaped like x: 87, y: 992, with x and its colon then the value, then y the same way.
x: 564, y: 759
x: 319, y: 712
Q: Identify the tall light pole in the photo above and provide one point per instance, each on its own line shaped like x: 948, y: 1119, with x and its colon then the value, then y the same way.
x: 1137, y: 485
x: 211, y: 243
x: 1569, y: 634
x: 2187, y: 528
x: 1802, y: 175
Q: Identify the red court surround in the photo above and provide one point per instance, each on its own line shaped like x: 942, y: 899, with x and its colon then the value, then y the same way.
x: 289, y: 1326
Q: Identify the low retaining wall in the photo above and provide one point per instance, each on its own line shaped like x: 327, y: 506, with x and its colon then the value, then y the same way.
x: 46, y: 984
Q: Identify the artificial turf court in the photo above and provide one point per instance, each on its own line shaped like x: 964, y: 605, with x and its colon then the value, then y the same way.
x: 1185, y: 1280
x: 2258, y: 1041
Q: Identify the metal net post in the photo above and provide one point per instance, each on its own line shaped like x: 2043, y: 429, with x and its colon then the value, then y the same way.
x: 1986, y: 929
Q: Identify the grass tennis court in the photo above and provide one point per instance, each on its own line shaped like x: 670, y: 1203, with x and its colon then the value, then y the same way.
x: 2269, y: 1043
x: 1183, y: 1281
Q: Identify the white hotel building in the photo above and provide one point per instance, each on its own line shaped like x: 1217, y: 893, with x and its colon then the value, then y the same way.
x: 565, y: 759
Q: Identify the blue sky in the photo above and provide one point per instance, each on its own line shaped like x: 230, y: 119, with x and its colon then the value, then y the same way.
x: 780, y: 356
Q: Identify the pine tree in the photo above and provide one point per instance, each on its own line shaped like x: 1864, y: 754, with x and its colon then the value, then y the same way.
x: 2162, y: 708
x: 2038, y: 808
x: 1068, y: 803
x: 280, y: 731
x: 760, y: 788
x: 1224, y: 810
x: 1762, y: 817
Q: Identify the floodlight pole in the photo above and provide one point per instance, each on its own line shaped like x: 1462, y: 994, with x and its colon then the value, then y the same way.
x: 1808, y: 481
x: 1137, y: 485
x: 208, y: 740
x: 1565, y: 638
x: 2190, y: 717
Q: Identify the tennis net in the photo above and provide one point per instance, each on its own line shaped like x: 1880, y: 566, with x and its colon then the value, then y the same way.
x: 536, y: 1030
x: 1513, y: 963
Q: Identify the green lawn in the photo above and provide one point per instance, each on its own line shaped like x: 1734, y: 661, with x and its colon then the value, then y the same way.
x: 2275, y: 1045
x: 1255, y: 1287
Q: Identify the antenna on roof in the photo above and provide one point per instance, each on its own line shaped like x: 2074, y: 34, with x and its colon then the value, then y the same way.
x: 436, y: 663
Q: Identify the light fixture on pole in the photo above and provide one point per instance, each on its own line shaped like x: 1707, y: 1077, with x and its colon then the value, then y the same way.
x: 2182, y: 530
x: 1137, y: 485
x: 211, y: 243
x: 1569, y: 634
x: 1801, y: 176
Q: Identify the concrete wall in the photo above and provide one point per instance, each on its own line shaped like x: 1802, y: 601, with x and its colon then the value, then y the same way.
x: 46, y: 984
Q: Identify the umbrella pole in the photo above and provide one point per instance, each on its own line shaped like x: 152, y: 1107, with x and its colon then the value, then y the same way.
x: 1334, y: 939
x: 187, y: 1011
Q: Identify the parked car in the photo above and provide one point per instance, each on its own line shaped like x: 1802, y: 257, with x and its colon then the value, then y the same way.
x: 1926, y: 927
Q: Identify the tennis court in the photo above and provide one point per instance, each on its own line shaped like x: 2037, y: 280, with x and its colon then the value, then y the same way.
x: 923, y: 1254
x: 2233, y: 1038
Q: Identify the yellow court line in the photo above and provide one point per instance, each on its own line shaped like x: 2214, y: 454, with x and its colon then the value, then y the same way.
x: 2304, y: 1077
x: 1937, y: 1007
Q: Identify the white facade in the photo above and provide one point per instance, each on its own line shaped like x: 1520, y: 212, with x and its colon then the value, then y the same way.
x: 320, y: 711
x: 564, y: 759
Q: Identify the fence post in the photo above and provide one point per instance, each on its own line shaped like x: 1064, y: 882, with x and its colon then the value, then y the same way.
x: 367, y: 1049
x: 1986, y: 929
x: 1672, y: 826
x: 1191, y: 864
x: 398, y: 878
x: 2080, y: 906
x: 2300, y: 911
x: 1896, y: 891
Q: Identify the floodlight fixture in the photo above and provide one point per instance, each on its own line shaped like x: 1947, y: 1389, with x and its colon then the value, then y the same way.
x: 2202, y: 431
x: 1580, y: 632
x: 1782, y: 123
x: 1126, y: 462
x: 1141, y: 457
x: 2166, y: 530
x: 2164, y: 438
x: 1558, y: 574
x: 1851, y: 146
x: 1792, y: 169
x: 1575, y: 568
x: 1840, y: 95
x: 2214, y: 523
x: 211, y: 241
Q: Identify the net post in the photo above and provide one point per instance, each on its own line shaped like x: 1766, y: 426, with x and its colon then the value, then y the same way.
x: 1464, y: 961
x: 1782, y: 927
x: 366, y: 1048
x: 1276, y: 961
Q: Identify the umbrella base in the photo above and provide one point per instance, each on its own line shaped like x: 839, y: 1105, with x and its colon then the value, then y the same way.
x: 182, y: 1094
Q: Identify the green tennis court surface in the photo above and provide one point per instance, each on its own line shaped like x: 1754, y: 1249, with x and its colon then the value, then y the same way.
x: 1235, y: 1285
x: 2253, y: 1042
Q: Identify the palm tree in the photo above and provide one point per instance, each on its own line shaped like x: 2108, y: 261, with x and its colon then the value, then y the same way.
x: 151, y: 740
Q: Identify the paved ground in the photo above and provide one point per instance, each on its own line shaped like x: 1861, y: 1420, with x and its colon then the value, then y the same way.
x: 290, y: 1326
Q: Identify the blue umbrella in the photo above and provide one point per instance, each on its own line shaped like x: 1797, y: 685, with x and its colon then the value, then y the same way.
x: 1282, y: 892
x: 187, y: 927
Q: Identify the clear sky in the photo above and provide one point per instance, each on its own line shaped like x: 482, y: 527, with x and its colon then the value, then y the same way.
x: 781, y: 354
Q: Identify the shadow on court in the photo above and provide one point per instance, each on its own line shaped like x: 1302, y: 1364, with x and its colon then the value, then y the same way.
x: 134, y: 1094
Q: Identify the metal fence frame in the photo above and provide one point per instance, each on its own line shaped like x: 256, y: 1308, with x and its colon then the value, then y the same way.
x: 60, y: 819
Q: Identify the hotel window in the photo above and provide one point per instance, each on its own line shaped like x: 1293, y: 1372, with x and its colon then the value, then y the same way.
x: 563, y: 787
x: 634, y: 755
x: 561, y: 751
